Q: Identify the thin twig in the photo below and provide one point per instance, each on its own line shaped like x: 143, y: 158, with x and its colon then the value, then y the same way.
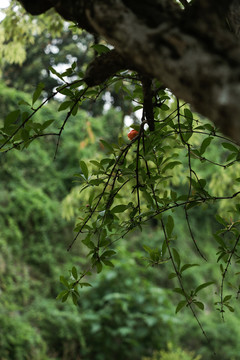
x: 225, y: 272
x: 35, y: 110
x: 67, y: 117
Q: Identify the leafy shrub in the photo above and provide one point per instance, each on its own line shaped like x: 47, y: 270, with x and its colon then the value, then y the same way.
x: 19, y: 340
x: 124, y: 315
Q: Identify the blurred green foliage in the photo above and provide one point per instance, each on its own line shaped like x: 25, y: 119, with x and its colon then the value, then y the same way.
x: 129, y: 312
x: 172, y: 354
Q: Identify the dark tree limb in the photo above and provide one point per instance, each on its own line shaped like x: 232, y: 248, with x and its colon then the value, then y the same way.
x: 103, y: 67
x: 147, y: 102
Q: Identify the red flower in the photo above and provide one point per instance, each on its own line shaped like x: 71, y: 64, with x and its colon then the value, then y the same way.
x: 132, y: 134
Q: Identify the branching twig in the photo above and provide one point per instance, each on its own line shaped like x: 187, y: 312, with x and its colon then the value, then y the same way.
x: 35, y: 110
x: 224, y: 274
x: 67, y: 117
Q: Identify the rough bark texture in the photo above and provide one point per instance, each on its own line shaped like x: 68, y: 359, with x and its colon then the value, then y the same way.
x: 195, y: 52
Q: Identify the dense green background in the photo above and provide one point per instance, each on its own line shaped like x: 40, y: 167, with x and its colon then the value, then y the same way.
x: 129, y: 312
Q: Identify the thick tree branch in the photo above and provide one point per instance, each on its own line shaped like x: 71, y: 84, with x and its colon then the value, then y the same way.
x: 192, y: 51
x: 104, y: 66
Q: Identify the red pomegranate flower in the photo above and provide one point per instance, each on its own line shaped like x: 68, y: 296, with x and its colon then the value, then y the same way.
x: 132, y: 134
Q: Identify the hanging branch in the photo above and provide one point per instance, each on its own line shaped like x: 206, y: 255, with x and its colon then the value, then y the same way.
x: 190, y: 182
x: 224, y: 274
x: 189, y: 303
x: 123, y: 154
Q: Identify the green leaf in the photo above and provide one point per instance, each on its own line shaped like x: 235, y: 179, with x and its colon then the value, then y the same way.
x: 164, y: 248
x: 74, y: 110
x: 24, y: 134
x: 74, y: 298
x: 84, y: 169
x: 147, y: 249
x: 230, y: 147
x: 172, y: 275
x: 221, y: 220
x: 180, y: 305
x: 65, y: 105
x: 171, y: 165
x: 108, y: 263
x: 37, y: 92
x: 61, y: 294
x: 66, y: 92
x: 11, y: 118
x: 99, y: 266
x: 108, y: 253
x: 64, y: 281
x: 209, y: 127
x: 188, y: 115
x: 229, y: 307
x: 119, y: 209
x: 74, y: 273
x: 88, y: 243
x: 179, y: 291
x: 199, y: 304
x: 23, y: 102
x: 187, y: 266
x: 202, y: 286
x: 206, y: 142
x: 85, y: 284
x: 164, y: 107
x: 100, y: 49
x: 46, y: 124
x: 53, y: 71
x: 170, y: 226
x: 64, y: 298
x: 226, y: 298
x: 176, y: 257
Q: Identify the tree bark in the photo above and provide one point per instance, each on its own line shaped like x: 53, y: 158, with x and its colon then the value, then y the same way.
x: 192, y: 51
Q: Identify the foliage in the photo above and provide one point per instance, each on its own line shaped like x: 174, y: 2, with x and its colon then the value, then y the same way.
x: 164, y: 171
x: 21, y: 340
x: 223, y: 336
x: 19, y: 29
x: 173, y: 354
